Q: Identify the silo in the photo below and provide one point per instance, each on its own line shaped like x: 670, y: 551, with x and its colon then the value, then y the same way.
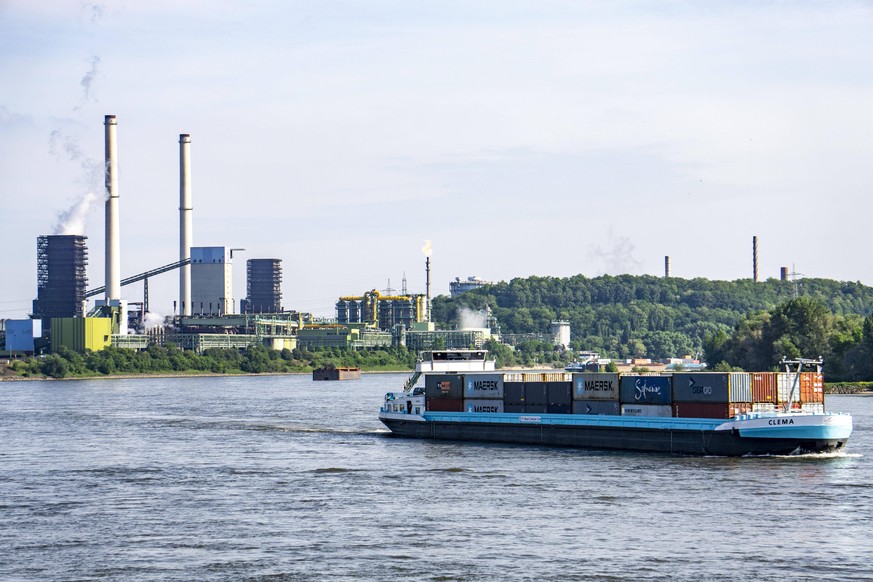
x: 561, y: 333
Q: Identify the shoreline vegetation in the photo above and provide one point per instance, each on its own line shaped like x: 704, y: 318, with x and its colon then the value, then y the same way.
x: 170, y: 362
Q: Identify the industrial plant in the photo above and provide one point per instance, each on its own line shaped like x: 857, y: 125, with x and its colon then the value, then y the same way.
x: 205, y: 314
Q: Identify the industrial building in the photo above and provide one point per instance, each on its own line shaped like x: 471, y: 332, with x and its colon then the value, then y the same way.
x: 81, y: 333
x: 446, y: 339
x: 263, y: 286
x: 60, y: 276
x: 457, y: 287
x: 382, y: 311
x: 211, y: 281
x: 205, y: 317
x: 17, y: 335
x: 342, y: 336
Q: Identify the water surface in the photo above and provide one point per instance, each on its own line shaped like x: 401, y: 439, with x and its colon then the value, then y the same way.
x: 285, y: 478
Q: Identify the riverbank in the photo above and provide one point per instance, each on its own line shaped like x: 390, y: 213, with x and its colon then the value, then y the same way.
x: 192, y: 374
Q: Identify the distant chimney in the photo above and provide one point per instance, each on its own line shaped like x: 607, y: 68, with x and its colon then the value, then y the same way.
x: 667, y: 267
x: 113, y: 245
x: 185, y: 221
x: 755, y: 258
x: 783, y: 273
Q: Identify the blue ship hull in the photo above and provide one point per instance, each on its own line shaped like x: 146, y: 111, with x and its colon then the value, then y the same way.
x: 747, y: 435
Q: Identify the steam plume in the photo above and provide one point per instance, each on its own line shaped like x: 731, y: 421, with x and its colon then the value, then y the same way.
x: 618, y: 258
x: 72, y: 220
x: 471, y: 319
x: 153, y: 320
x: 89, y: 78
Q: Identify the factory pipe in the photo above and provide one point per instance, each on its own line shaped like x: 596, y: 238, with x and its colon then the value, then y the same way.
x: 113, y: 246
x: 185, y: 222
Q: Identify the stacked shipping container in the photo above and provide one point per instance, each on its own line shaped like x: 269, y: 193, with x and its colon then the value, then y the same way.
x: 686, y: 395
x: 595, y: 393
x: 711, y: 394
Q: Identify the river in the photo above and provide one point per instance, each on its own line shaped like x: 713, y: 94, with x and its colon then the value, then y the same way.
x: 282, y: 478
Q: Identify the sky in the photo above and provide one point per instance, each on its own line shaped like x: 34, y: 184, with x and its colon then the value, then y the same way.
x: 546, y: 137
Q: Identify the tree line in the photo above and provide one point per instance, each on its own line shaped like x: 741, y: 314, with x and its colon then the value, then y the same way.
x: 802, y: 327
x: 644, y: 316
x: 168, y: 359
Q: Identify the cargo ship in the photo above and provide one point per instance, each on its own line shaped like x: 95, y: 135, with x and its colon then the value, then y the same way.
x: 459, y: 395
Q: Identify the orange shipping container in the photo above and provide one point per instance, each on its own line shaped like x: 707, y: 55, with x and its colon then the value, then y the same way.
x: 811, y: 387
x: 764, y: 387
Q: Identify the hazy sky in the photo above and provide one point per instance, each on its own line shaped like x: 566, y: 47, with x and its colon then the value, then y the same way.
x: 526, y: 138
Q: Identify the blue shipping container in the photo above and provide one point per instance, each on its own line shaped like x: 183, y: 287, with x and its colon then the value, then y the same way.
x: 646, y: 389
x: 596, y: 407
x: 560, y: 393
x: 536, y: 393
x: 700, y: 387
x: 482, y: 405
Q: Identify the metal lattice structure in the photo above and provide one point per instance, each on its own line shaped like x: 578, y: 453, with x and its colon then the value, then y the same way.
x: 263, y: 286
x: 60, y: 276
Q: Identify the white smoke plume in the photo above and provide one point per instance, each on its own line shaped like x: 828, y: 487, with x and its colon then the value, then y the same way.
x: 88, y: 81
x: 93, y: 10
x: 426, y: 249
x: 472, y: 319
x: 153, y: 320
x: 618, y: 257
x: 72, y: 220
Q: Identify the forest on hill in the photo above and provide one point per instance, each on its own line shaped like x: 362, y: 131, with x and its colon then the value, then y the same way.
x: 644, y: 316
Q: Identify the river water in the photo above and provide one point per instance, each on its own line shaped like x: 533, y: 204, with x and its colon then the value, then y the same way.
x: 235, y: 478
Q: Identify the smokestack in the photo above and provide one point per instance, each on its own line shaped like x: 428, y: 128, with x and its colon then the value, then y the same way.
x: 783, y: 273
x: 755, y: 259
x: 667, y: 267
x: 427, y: 285
x: 113, y: 246
x: 185, y: 222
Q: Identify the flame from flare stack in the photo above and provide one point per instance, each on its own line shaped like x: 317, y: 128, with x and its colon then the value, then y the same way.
x: 426, y: 248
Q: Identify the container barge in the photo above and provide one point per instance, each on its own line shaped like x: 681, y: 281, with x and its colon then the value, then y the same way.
x: 458, y: 395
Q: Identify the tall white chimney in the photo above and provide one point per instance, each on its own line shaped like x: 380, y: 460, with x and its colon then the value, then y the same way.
x: 113, y: 246
x: 185, y: 222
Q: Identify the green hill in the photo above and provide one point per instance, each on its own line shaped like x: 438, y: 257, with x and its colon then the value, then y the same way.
x: 646, y: 316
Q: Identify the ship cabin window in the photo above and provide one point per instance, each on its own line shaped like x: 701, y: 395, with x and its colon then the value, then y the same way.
x: 458, y: 356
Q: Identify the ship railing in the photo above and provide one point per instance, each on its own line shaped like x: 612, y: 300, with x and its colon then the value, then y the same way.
x: 410, y: 382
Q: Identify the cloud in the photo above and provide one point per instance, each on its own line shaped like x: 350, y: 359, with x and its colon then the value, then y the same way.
x: 12, y: 119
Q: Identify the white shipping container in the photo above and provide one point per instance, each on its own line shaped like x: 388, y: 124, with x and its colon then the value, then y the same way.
x: 659, y: 410
x: 483, y: 386
x: 763, y: 407
x: 740, y: 386
x: 784, y: 383
x: 595, y: 386
x: 815, y: 407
